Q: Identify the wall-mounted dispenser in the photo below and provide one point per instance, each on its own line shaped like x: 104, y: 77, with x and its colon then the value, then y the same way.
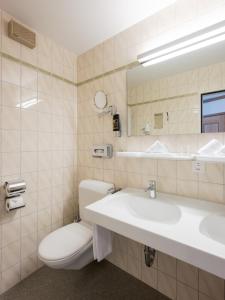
x: 116, y: 125
x: 13, y: 190
x: 104, y: 151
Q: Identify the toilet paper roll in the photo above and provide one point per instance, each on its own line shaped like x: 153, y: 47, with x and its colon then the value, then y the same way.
x: 14, y: 203
x: 15, y: 187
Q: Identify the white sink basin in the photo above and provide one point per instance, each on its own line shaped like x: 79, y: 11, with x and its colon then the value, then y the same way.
x: 140, y: 207
x: 153, y: 210
x: 190, y: 229
x: 213, y: 227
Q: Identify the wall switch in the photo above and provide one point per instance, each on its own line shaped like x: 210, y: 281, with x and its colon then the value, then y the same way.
x: 198, y: 167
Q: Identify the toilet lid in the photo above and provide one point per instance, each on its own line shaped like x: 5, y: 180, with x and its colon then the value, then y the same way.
x: 65, y: 241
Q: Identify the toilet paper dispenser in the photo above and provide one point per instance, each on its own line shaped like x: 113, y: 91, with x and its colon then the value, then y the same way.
x: 15, y: 187
x: 13, y: 191
x: 104, y: 151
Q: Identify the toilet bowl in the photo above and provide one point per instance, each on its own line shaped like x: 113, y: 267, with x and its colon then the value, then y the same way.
x: 71, y: 246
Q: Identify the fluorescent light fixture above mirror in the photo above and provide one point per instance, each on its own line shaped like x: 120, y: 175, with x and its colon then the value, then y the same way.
x: 195, y: 41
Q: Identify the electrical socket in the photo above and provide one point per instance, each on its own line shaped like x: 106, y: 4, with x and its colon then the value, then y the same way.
x: 198, y: 167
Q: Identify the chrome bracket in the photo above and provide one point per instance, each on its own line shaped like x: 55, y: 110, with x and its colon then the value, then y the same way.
x: 113, y: 190
x: 77, y: 219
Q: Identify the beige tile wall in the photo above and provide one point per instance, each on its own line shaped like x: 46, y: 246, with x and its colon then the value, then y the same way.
x: 38, y: 144
x: 174, y: 278
x: 172, y: 22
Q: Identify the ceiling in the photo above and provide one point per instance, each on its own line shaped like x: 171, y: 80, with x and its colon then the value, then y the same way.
x: 81, y: 24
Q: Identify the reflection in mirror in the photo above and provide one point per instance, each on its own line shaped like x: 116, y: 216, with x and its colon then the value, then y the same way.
x: 213, y: 112
x: 166, y: 98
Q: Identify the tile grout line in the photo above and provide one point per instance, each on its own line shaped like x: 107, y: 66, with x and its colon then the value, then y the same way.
x: 20, y: 172
x: 123, y: 67
x: 37, y: 171
x: 1, y: 158
x: 77, y: 84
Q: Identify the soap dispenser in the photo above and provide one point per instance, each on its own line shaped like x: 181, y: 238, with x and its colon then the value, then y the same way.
x: 116, y: 125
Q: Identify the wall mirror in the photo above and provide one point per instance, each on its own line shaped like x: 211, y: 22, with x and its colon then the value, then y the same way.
x: 183, y: 95
x: 100, y: 101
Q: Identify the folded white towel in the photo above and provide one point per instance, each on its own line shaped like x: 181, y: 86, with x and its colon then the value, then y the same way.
x: 102, y: 242
x: 221, y: 151
x: 157, y: 147
x: 211, y: 147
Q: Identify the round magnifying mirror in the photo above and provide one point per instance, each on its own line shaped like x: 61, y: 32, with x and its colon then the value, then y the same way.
x: 100, y: 100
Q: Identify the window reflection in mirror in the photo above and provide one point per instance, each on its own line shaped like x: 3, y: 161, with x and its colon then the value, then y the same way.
x: 213, y: 112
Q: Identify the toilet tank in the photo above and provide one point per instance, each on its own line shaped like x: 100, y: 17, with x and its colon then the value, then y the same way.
x: 91, y: 191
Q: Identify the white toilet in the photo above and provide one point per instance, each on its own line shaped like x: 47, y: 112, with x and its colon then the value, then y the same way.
x: 71, y: 247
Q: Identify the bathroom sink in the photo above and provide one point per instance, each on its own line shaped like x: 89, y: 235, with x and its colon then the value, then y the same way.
x: 153, y: 210
x: 137, y: 205
x: 189, y: 229
x: 213, y: 226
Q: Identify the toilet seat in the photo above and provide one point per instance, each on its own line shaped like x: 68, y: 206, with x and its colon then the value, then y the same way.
x: 65, y: 243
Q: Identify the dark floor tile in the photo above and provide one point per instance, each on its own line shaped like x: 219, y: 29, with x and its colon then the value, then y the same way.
x: 97, y: 281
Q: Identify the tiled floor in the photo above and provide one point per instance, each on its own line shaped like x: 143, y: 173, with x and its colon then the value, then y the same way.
x: 95, y: 282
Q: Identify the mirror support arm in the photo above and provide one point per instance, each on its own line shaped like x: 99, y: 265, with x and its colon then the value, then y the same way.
x: 109, y: 110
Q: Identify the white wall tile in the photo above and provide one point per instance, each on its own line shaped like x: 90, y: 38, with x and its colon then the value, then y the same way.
x: 28, y: 136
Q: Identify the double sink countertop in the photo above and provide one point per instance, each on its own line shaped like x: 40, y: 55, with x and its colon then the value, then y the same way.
x: 189, y: 229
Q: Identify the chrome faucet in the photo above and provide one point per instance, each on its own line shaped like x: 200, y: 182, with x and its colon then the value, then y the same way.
x: 152, y: 189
